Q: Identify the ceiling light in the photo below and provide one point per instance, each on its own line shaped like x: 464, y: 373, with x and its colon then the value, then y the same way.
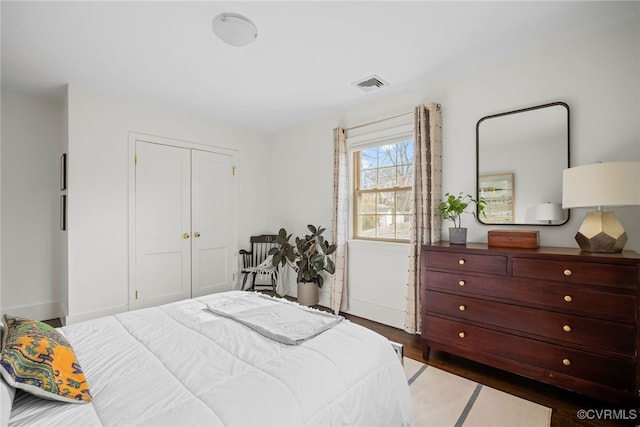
x: 234, y: 29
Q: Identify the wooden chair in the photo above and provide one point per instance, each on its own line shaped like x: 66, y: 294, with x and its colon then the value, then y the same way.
x: 253, y: 262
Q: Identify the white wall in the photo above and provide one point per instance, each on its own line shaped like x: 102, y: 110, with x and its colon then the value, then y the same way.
x: 37, y: 258
x: 98, y: 183
x: 32, y: 268
x: 1, y: 292
x: 597, y: 75
x: 64, y: 245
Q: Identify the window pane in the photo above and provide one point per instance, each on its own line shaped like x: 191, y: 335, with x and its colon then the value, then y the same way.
x: 367, y: 225
x: 369, y: 158
x: 386, y: 203
x: 387, y: 177
x: 387, y: 228
x: 368, y: 203
x: 368, y: 179
x: 404, y: 208
x: 385, y: 213
x: 405, y: 152
x: 403, y: 227
x: 405, y: 175
x: 404, y: 202
x: 387, y: 155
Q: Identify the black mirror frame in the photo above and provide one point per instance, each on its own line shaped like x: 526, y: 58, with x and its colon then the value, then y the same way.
x: 522, y: 110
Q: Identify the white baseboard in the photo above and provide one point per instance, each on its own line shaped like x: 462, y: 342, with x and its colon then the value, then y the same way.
x: 81, y: 317
x: 41, y: 311
x: 386, y: 315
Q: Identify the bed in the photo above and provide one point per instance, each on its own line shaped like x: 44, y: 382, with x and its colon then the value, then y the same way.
x: 180, y: 364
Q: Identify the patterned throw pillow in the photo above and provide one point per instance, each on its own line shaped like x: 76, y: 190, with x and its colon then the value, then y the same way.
x: 40, y: 360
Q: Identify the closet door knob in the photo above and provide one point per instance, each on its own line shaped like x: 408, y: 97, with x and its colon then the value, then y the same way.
x: 185, y: 236
x: 196, y: 234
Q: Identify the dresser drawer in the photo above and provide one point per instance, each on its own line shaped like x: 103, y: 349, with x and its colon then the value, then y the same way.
x: 611, y: 275
x: 614, y: 372
x: 613, y: 306
x: 599, y: 334
x: 494, y: 264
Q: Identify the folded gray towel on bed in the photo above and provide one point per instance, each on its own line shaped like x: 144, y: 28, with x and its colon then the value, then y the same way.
x: 277, y: 319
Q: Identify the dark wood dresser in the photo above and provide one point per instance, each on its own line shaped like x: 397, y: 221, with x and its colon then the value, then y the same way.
x: 557, y: 315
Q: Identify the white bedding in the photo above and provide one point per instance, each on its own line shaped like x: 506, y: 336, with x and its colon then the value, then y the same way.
x: 180, y: 364
x: 275, y: 318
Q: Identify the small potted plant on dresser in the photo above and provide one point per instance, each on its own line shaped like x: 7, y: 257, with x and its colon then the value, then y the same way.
x: 452, y: 208
x: 309, y: 257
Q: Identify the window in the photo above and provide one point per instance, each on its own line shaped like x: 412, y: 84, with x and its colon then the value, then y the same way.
x: 383, y: 190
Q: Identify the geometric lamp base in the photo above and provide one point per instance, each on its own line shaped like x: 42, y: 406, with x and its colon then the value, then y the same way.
x: 601, y: 232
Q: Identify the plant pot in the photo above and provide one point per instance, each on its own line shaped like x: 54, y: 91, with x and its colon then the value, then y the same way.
x: 308, y: 293
x: 458, y: 236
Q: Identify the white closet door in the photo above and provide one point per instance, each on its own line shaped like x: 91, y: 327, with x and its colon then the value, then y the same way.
x: 162, y: 225
x: 213, y: 218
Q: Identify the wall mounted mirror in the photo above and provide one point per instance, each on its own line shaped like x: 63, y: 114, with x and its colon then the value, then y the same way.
x: 520, y: 156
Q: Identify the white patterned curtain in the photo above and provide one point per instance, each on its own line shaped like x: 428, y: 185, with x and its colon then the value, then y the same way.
x: 339, y: 295
x: 427, y: 188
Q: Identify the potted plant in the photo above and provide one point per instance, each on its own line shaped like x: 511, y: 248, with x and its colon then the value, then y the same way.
x: 452, y: 208
x: 309, y: 257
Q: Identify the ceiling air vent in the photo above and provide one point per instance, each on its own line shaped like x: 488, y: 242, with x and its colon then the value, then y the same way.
x: 371, y: 83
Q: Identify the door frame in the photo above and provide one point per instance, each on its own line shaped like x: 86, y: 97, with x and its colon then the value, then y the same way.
x: 131, y: 159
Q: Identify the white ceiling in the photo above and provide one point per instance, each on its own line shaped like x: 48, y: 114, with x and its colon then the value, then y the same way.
x: 302, y: 65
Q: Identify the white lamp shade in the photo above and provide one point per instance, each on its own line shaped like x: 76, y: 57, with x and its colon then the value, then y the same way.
x: 601, y: 184
x: 234, y: 29
x: 548, y: 212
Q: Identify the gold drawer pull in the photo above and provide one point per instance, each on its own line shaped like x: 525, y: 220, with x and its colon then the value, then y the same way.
x: 568, y: 298
x: 461, y: 261
x: 461, y: 334
x: 567, y: 272
x: 566, y: 362
x: 566, y: 328
x: 462, y: 308
x: 461, y: 283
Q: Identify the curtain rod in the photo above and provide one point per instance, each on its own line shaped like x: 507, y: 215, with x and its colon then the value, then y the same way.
x: 378, y: 121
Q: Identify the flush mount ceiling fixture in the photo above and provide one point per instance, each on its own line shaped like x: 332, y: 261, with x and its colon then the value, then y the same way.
x: 234, y: 29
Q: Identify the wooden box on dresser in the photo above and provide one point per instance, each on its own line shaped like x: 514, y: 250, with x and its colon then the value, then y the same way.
x: 557, y: 315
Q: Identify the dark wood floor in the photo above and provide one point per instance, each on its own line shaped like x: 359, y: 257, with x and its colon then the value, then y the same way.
x: 564, y: 404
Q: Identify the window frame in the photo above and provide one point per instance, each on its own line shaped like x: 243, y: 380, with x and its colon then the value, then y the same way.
x: 357, y: 192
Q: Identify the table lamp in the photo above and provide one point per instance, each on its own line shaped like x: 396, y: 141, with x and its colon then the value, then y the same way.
x: 549, y: 212
x: 598, y: 185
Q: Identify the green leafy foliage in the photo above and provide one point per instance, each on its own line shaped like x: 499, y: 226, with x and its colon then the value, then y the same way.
x: 309, y: 256
x: 454, y: 206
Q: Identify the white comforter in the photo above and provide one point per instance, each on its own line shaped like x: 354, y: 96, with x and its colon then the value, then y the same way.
x: 181, y: 365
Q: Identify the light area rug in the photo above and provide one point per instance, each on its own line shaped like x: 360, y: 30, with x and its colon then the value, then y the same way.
x: 443, y: 399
